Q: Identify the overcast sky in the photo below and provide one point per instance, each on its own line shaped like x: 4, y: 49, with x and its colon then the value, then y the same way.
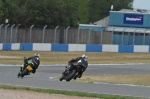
x: 142, y: 4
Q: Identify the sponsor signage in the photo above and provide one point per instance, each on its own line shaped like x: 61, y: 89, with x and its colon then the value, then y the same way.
x: 136, y: 19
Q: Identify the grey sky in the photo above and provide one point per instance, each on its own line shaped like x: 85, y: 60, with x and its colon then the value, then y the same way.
x: 142, y: 4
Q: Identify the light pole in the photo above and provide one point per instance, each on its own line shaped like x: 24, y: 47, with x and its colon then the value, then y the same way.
x: 6, y: 21
x: 44, y: 33
x: 112, y: 7
x: 67, y: 33
x: 11, y: 33
x: 55, y: 34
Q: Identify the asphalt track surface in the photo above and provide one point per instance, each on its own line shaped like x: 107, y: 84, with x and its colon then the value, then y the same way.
x: 44, y: 75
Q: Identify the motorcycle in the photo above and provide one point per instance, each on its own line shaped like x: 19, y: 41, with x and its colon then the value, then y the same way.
x: 25, y: 69
x: 71, y: 71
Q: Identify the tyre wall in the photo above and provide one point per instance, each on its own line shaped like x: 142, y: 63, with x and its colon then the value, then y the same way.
x: 74, y: 47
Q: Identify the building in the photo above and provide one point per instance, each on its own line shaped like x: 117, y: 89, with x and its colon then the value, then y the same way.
x: 128, y: 27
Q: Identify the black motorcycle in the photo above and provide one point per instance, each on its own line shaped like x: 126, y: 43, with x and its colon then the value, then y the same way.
x: 71, y: 71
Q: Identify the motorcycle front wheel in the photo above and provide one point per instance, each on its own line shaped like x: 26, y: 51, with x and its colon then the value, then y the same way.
x: 62, y: 77
x: 18, y: 75
x: 26, y: 71
x: 71, y: 75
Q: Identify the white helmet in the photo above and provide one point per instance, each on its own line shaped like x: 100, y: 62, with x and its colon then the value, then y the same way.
x: 84, y: 56
x: 36, y: 54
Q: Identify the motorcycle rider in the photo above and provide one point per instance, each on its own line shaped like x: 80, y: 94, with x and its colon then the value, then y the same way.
x: 35, y: 61
x: 80, y: 60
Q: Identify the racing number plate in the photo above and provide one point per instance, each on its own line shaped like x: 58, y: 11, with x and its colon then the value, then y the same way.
x: 29, y: 68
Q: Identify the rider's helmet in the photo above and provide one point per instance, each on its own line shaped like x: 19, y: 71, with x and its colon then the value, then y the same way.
x: 84, y: 56
x: 36, y: 54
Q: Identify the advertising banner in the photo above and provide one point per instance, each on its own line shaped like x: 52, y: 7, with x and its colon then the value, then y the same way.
x: 136, y: 19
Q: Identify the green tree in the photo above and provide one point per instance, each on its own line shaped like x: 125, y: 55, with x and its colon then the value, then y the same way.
x: 51, y: 12
x: 1, y: 11
x: 57, y: 12
x: 8, y: 11
x: 83, y: 12
x: 21, y: 11
x: 45, y: 12
x: 78, y: 9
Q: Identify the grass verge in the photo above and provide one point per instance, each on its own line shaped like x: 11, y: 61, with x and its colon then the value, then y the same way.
x: 135, y: 79
x: 48, y: 57
x: 70, y: 93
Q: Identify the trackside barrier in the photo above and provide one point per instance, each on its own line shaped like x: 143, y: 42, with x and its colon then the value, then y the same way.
x: 74, y: 47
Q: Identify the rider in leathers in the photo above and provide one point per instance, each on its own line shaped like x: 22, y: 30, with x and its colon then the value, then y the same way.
x: 80, y: 60
x: 35, y: 60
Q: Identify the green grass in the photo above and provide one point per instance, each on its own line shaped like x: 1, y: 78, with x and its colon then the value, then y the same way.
x: 48, y: 57
x: 135, y: 79
x: 70, y: 93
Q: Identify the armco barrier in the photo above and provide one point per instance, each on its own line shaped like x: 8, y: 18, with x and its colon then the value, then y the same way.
x: 74, y: 47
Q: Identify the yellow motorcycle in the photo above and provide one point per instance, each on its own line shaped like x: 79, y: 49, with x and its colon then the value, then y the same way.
x: 26, y: 69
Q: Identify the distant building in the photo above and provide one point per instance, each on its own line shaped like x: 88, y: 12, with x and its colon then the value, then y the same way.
x: 127, y: 27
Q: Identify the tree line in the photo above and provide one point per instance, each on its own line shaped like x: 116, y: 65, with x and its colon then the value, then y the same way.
x: 58, y: 12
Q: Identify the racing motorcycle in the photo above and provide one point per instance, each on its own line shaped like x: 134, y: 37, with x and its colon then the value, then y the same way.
x: 25, y: 69
x: 71, y: 71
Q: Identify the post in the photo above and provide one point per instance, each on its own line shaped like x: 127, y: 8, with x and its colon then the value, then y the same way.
x: 17, y: 31
x: 101, y: 35
x: 67, y: 33
x: 55, y: 34
x: 11, y: 33
x: 112, y: 35
x: 44, y: 33
x: 144, y: 36
x: 134, y: 35
x: 89, y: 35
x: 31, y: 32
x: 128, y: 38
x: 123, y: 35
x: 6, y: 32
x: 149, y: 38
x: 78, y: 34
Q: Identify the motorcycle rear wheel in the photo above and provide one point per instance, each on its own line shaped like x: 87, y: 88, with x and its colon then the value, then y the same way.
x: 71, y: 75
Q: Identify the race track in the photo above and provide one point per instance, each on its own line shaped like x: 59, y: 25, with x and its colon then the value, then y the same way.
x: 44, y: 75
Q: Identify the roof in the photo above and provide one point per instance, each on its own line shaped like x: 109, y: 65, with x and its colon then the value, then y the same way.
x: 128, y: 29
x: 142, y: 11
x: 91, y: 27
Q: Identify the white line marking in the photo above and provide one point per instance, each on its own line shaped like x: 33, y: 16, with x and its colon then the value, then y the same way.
x: 52, y: 77
x: 120, y: 84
